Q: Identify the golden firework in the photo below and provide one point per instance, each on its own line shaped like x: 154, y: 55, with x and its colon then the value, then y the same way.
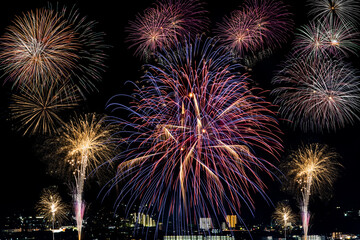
x: 39, y: 44
x: 284, y: 216
x: 51, y: 206
x: 312, y: 169
x: 37, y: 108
x: 86, y: 142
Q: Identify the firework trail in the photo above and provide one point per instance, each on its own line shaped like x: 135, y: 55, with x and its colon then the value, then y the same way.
x: 260, y: 24
x: 162, y: 25
x: 312, y: 169
x: 51, y: 206
x: 283, y: 215
x: 346, y: 11
x: 86, y: 143
x: 37, y: 108
x: 193, y: 137
x: 318, y: 94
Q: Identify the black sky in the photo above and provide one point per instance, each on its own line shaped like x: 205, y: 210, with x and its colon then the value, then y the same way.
x: 22, y: 173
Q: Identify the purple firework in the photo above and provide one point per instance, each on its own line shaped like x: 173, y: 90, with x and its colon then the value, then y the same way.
x: 193, y: 138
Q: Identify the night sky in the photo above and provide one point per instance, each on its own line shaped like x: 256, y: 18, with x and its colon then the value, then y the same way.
x: 23, y: 174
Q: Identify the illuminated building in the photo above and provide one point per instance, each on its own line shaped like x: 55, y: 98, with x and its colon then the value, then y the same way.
x: 231, y: 221
x: 142, y: 219
x: 205, y: 224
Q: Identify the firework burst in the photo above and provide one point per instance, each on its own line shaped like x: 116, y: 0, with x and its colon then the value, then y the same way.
x: 51, y: 206
x: 238, y: 33
x: 312, y: 169
x: 38, y: 45
x: 53, y: 44
x: 86, y: 143
x: 149, y: 32
x: 317, y: 94
x: 322, y: 38
x: 260, y: 24
x: 193, y: 137
x: 283, y: 216
x: 37, y: 108
x: 161, y: 26
x: 346, y: 11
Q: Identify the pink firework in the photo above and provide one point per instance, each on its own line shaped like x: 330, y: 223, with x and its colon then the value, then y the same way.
x: 260, y: 24
x: 161, y: 26
x: 322, y: 38
x: 185, y: 16
x: 317, y: 94
x: 194, y: 136
x: 273, y: 20
x: 239, y: 33
x: 150, y: 32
